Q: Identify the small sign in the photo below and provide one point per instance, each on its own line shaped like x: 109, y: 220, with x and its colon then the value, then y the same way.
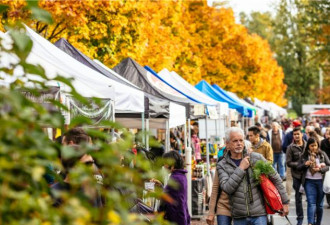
x: 212, y: 112
x: 199, y: 110
x: 150, y: 186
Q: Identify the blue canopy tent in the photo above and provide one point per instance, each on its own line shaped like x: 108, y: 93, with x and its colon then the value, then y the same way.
x: 207, y: 89
x: 251, y: 111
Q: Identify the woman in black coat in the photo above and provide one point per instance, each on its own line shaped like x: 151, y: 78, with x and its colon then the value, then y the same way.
x: 314, y: 163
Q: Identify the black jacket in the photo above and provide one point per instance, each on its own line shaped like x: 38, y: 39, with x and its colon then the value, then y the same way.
x: 293, y: 156
x: 325, y: 146
x: 301, y: 166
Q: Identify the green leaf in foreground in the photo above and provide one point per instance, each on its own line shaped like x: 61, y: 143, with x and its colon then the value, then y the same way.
x: 262, y: 167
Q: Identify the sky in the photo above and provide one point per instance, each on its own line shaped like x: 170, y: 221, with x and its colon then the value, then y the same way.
x: 248, y: 6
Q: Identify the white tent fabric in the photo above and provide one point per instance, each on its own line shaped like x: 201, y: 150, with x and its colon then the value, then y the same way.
x: 180, y: 84
x: 279, y: 110
x: 177, y: 112
x: 261, y: 104
x: 177, y: 115
x: 126, y: 99
x: 160, y: 85
x: 50, y: 70
x: 275, y: 110
x: 177, y: 118
x: 114, y: 73
x: 154, y: 123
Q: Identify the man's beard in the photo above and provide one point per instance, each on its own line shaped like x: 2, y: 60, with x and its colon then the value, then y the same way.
x: 238, y: 151
x: 297, y: 141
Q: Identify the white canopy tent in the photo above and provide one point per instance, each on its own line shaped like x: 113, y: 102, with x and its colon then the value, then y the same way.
x: 6, y: 59
x: 212, y: 127
x: 126, y: 99
x: 51, y: 71
x: 274, y: 110
x: 177, y: 112
x: 181, y: 85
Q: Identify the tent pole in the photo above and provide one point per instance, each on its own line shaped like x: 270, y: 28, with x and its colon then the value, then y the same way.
x: 188, y: 156
x: 189, y: 134
x: 207, y: 149
x: 185, y: 135
x: 147, y: 134
x: 167, y: 136
x: 142, y: 128
x: 189, y: 175
x: 243, y: 124
x: 216, y: 127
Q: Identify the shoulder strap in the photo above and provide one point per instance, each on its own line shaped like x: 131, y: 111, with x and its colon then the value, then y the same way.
x: 218, y: 197
x: 219, y: 189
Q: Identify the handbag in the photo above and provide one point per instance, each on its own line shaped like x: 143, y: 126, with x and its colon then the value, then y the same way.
x: 326, y: 182
x: 271, y: 196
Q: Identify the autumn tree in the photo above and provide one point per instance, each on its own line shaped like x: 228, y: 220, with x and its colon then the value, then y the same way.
x: 232, y: 58
x: 189, y: 37
x: 300, y: 41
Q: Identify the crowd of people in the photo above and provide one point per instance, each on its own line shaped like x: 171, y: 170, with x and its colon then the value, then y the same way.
x: 299, y: 155
x: 174, y: 209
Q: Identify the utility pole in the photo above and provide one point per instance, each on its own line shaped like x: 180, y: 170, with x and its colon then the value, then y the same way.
x: 321, y: 82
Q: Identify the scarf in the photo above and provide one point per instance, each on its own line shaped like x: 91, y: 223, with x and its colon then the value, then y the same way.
x: 312, y: 166
x: 258, y: 144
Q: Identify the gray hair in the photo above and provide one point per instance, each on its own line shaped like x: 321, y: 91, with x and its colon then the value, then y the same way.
x: 233, y: 130
x: 247, y: 144
x: 276, y: 124
x: 312, y: 128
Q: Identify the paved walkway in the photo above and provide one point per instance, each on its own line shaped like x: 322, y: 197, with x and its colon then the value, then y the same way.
x: 278, y: 220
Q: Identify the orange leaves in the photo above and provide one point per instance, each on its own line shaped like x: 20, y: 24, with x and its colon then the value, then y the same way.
x: 196, y: 41
x: 234, y: 59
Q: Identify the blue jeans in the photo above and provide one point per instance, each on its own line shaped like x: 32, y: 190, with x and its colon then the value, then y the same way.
x: 258, y: 220
x: 278, y: 164
x: 223, y: 220
x: 298, y: 197
x: 315, y: 197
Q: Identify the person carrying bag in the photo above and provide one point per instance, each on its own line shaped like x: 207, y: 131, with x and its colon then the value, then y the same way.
x: 326, y: 182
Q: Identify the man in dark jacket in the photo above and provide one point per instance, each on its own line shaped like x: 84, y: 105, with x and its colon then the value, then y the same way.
x: 325, y: 146
x: 275, y: 137
x: 235, y: 175
x: 325, y: 143
x: 293, y: 155
x: 288, y: 138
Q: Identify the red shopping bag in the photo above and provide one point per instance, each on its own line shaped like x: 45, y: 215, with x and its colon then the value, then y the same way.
x: 271, y: 196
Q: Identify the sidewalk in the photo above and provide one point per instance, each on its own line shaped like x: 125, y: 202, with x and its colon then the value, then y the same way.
x: 200, y: 222
x: 278, y: 220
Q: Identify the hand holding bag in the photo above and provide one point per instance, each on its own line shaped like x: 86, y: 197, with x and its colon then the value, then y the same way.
x: 326, y: 182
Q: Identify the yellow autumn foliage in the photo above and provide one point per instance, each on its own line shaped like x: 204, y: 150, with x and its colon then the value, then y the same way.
x: 189, y: 37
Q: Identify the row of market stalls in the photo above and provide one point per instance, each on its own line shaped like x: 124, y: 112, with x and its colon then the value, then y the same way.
x: 138, y: 97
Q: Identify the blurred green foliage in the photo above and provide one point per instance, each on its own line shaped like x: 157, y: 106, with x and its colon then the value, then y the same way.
x: 26, y: 152
x: 298, y: 33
